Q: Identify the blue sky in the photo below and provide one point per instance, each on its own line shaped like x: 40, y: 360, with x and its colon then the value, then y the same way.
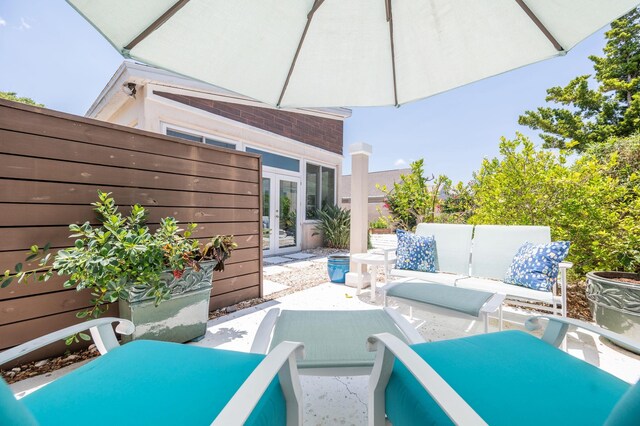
x: 49, y: 53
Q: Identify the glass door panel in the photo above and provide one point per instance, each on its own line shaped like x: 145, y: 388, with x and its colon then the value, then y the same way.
x: 288, y: 213
x: 267, y: 222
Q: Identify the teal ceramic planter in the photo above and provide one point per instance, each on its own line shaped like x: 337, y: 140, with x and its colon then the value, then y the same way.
x: 337, y: 267
x: 180, y: 319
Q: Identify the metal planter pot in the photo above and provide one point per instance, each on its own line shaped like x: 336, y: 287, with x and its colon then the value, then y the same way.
x: 180, y: 319
x: 615, y: 305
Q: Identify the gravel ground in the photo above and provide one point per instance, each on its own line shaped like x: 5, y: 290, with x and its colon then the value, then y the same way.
x: 578, y: 305
x: 48, y: 365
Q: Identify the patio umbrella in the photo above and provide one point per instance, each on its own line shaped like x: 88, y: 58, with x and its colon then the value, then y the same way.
x: 298, y: 53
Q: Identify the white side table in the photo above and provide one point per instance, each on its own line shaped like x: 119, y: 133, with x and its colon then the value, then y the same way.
x: 380, y: 257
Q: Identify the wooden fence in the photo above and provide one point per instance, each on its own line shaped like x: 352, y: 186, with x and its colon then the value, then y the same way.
x: 51, y: 166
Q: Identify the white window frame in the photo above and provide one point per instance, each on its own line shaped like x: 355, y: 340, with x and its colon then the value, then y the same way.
x: 304, y: 181
x: 276, y: 170
x: 165, y: 126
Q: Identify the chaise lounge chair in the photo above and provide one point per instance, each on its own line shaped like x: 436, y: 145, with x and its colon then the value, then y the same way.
x: 503, y: 378
x: 151, y: 382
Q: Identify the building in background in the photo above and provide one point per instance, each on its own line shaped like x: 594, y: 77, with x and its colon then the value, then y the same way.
x: 301, y: 149
x: 376, y: 197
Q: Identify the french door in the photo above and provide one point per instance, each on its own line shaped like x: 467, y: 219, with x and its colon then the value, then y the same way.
x: 280, y: 213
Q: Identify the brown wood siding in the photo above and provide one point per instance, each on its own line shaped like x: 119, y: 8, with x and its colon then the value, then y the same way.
x: 325, y: 133
x: 51, y: 166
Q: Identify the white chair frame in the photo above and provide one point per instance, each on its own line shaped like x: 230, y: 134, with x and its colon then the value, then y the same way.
x: 389, y: 347
x: 281, y: 361
x: 265, y: 333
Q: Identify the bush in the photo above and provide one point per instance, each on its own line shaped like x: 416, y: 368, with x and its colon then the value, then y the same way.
x: 379, y: 223
x: 334, y: 225
x: 412, y: 200
x: 457, y: 204
x: 524, y: 187
x: 416, y: 199
x: 593, y: 203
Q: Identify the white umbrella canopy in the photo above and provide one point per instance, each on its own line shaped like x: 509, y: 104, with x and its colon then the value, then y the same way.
x: 322, y: 53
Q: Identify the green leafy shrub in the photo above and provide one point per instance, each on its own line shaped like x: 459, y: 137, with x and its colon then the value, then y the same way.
x: 123, y: 252
x: 593, y: 203
x: 524, y: 187
x: 13, y: 96
x: 415, y: 199
x: 379, y: 223
x: 457, y: 204
x: 334, y: 225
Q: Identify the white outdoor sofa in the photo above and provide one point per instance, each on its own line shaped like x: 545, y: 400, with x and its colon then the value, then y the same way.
x: 478, y: 258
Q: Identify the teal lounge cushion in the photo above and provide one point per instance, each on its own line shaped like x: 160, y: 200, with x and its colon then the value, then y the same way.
x: 159, y: 383
x: 508, y: 378
x: 627, y: 410
x: 457, y: 299
x: 12, y: 411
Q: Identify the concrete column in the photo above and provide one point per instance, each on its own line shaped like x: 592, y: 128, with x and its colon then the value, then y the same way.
x: 360, y: 153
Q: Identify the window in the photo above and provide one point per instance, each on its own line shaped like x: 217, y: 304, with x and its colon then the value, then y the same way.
x: 198, y: 138
x: 278, y: 161
x: 221, y: 144
x: 321, y: 189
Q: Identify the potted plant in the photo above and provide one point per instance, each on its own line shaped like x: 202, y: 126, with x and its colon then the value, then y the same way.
x: 161, y: 280
x: 614, y: 300
x: 334, y: 224
x: 380, y: 226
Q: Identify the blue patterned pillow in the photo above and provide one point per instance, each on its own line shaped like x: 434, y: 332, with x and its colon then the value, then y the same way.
x: 536, y: 266
x: 416, y: 252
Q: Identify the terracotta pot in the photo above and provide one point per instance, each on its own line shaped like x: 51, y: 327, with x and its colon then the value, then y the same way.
x: 380, y: 231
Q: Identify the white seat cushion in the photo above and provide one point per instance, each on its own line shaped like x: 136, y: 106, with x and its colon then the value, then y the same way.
x: 453, y: 245
x: 438, y: 277
x: 511, y: 290
x: 495, y: 245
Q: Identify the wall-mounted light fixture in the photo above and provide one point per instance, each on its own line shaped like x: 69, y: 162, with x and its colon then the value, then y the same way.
x: 129, y: 89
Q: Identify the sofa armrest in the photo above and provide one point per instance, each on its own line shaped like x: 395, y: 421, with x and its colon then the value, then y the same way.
x: 388, y: 348
x: 557, y: 328
x: 562, y: 281
x: 101, y: 331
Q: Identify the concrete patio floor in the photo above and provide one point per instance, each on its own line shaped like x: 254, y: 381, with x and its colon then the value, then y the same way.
x: 342, y: 400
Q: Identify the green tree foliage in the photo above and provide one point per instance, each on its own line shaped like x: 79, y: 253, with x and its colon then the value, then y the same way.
x: 13, y: 96
x: 458, y: 203
x: 415, y: 198
x: 519, y: 188
x: 583, y: 116
x: 623, y: 159
x: 594, y: 203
